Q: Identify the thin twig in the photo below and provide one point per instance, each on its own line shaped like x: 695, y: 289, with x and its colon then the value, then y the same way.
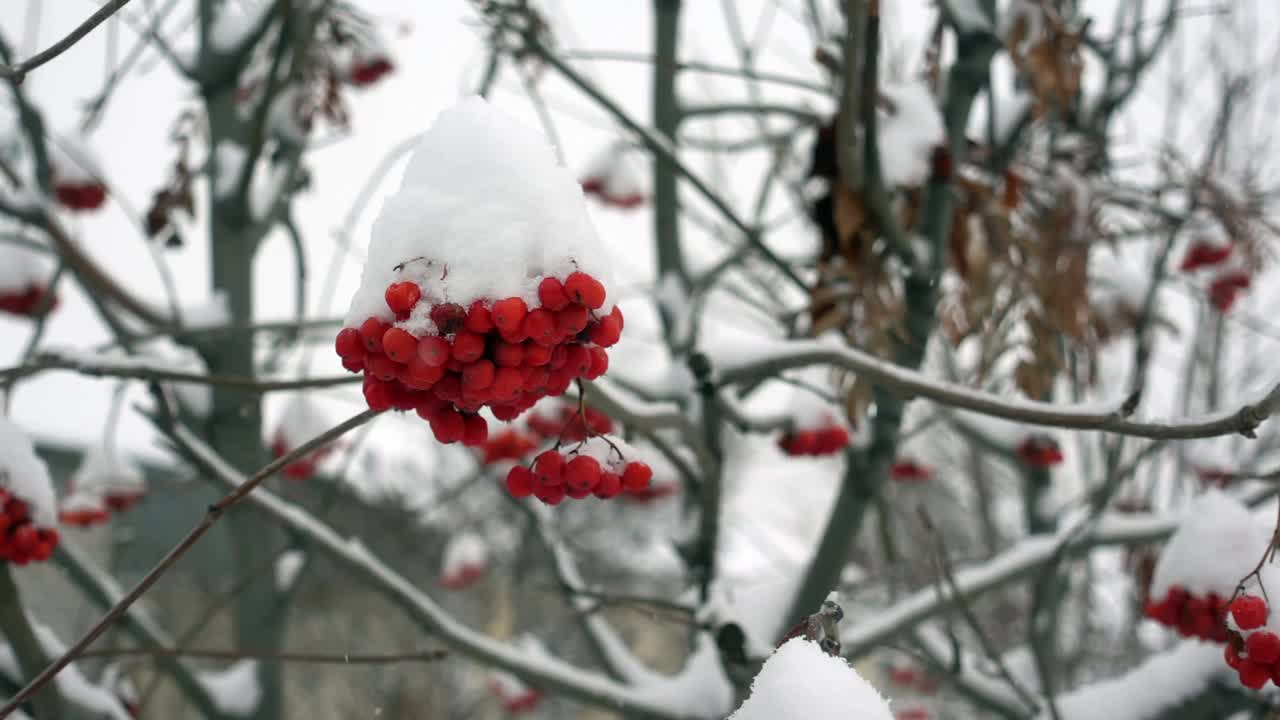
x: 273, y: 657
x: 211, y: 516
x: 136, y: 370
x: 19, y: 71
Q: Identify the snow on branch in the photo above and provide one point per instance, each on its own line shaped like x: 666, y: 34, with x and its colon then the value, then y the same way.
x: 548, y: 673
x: 19, y: 71
x: 737, y: 366
x: 1162, y: 683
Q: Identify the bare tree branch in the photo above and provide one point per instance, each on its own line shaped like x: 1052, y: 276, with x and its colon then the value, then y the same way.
x: 19, y: 71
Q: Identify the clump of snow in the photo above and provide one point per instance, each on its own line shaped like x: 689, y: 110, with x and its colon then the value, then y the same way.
x: 1217, y: 544
x: 285, y: 118
x: 1159, y: 684
x: 302, y: 420
x: 484, y: 212
x: 464, y: 559
x: 104, y: 473
x: 228, y: 159
x: 234, y: 689
x: 908, y: 132
x: 21, y: 268
x: 71, y: 161
x: 235, y: 22
x: 799, y: 680
x: 99, y: 702
x: 288, y: 565
x: 25, y: 475
x: 613, y: 177
x: 213, y: 312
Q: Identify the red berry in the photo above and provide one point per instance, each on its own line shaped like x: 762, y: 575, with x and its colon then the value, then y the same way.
x: 475, y: 430
x: 478, y: 318
x: 610, y: 485
x: 508, y: 314
x: 559, y: 382
x: 520, y: 482
x: 577, y: 493
x: 607, y: 332
x: 402, y: 296
x: 505, y: 413
x: 548, y: 468
x: 551, y: 294
x: 636, y: 476
x: 1263, y: 647
x: 1252, y: 675
x: 599, y: 362
x: 579, y: 361
x: 434, y: 350
x: 449, y: 388
x: 448, y: 317
x: 468, y: 346
x: 399, y: 345
x: 349, y: 344
x: 1232, y: 657
x: 354, y: 365
x: 540, y: 327
x: 551, y: 495
x: 572, y: 320
x: 1249, y: 612
x: 507, y: 354
x: 559, y: 356
x: 421, y: 375
x: 507, y: 383
x: 448, y: 425
x: 584, y: 289
x: 371, y: 331
x: 536, y: 355
x: 477, y: 375
x: 382, y: 367
x: 582, y: 472
x: 536, y: 380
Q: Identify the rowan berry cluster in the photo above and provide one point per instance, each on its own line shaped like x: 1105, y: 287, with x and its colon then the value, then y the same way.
x: 21, y: 541
x: 304, y: 467
x: 500, y: 354
x: 86, y: 508
x: 1252, y: 651
x: 826, y: 440
x: 555, y: 475
x: 907, y: 470
x: 1040, y: 451
x: 80, y: 195
x: 25, y: 301
x: 1191, y: 615
x: 367, y: 71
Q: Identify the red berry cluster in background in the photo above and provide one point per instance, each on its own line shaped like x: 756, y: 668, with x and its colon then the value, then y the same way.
x: 600, y: 187
x: 304, y: 467
x: 83, y: 516
x: 907, y: 470
x: 1215, y: 477
x: 1253, y: 653
x: 516, y: 698
x: 1191, y: 615
x: 79, y: 195
x: 912, y: 713
x: 25, y: 302
x: 95, y: 508
x: 21, y: 541
x: 1226, y: 288
x: 502, y: 354
x: 462, y: 576
x: 1040, y: 451
x: 555, y: 476
x: 827, y: 440
x: 508, y: 444
x: 569, y: 425
x: 367, y: 71
x: 1203, y: 253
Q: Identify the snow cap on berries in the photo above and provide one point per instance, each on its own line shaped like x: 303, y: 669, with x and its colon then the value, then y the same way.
x: 104, y: 473
x: 25, y: 475
x: 485, y: 212
x: 1217, y: 544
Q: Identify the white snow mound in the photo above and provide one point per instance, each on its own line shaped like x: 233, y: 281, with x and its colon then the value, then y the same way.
x: 799, y: 680
x: 1217, y: 544
x: 25, y: 475
x: 484, y: 212
x: 102, y: 471
x: 908, y: 133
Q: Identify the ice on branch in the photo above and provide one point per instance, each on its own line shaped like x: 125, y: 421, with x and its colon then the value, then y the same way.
x: 910, y: 127
x: 484, y: 212
x: 799, y: 680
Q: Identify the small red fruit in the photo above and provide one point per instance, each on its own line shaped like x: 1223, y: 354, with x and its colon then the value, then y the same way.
x: 1232, y: 657
x: 551, y: 294
x: 607, y: 332
x: 548, y: 468
x: 349, y: 344
x: 508, y: 314
x: 1249, y: 612
x: 507, y: 354
x: 610, y: 485
x: 477, y: 375
x: 448, y: 426
x: 468, y: 346
x: 475, y: 430
x: 581, y: 473
x: 636, y: 476
x: 520, y: 481
x: 402, y: 296
x: 448, y: 317
x: 584, y: 289
x: 599, y: 363
x: 572, y: 320
x: 478, y: 318
x: 1252, y: 675
x: 1263, y: 647
x: 399, y: 345
x: 371, y: 331
x: 382, y: 367
x: 434, y: 351
x: 540, y: 327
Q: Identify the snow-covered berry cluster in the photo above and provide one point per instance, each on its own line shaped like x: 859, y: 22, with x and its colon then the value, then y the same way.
x: 594, y: 467
x: 301, y: 420
x: 1225, y: 289
x: 1231, y: 278
x: 103, y: 484
x: 1040, y: 451
x: 611, y: 179
x: 369, y: 69
x: 568, y: 423
x: 448, y: 361
x: 1205, y: 253
x: 1201, y: 616
x: 21, y: 539
x: 908, y: 470
x: 465, y: 560
x: 1253, y: 650
x: 824, y: 440
x: 77, y: 183
x: 79, y: 196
